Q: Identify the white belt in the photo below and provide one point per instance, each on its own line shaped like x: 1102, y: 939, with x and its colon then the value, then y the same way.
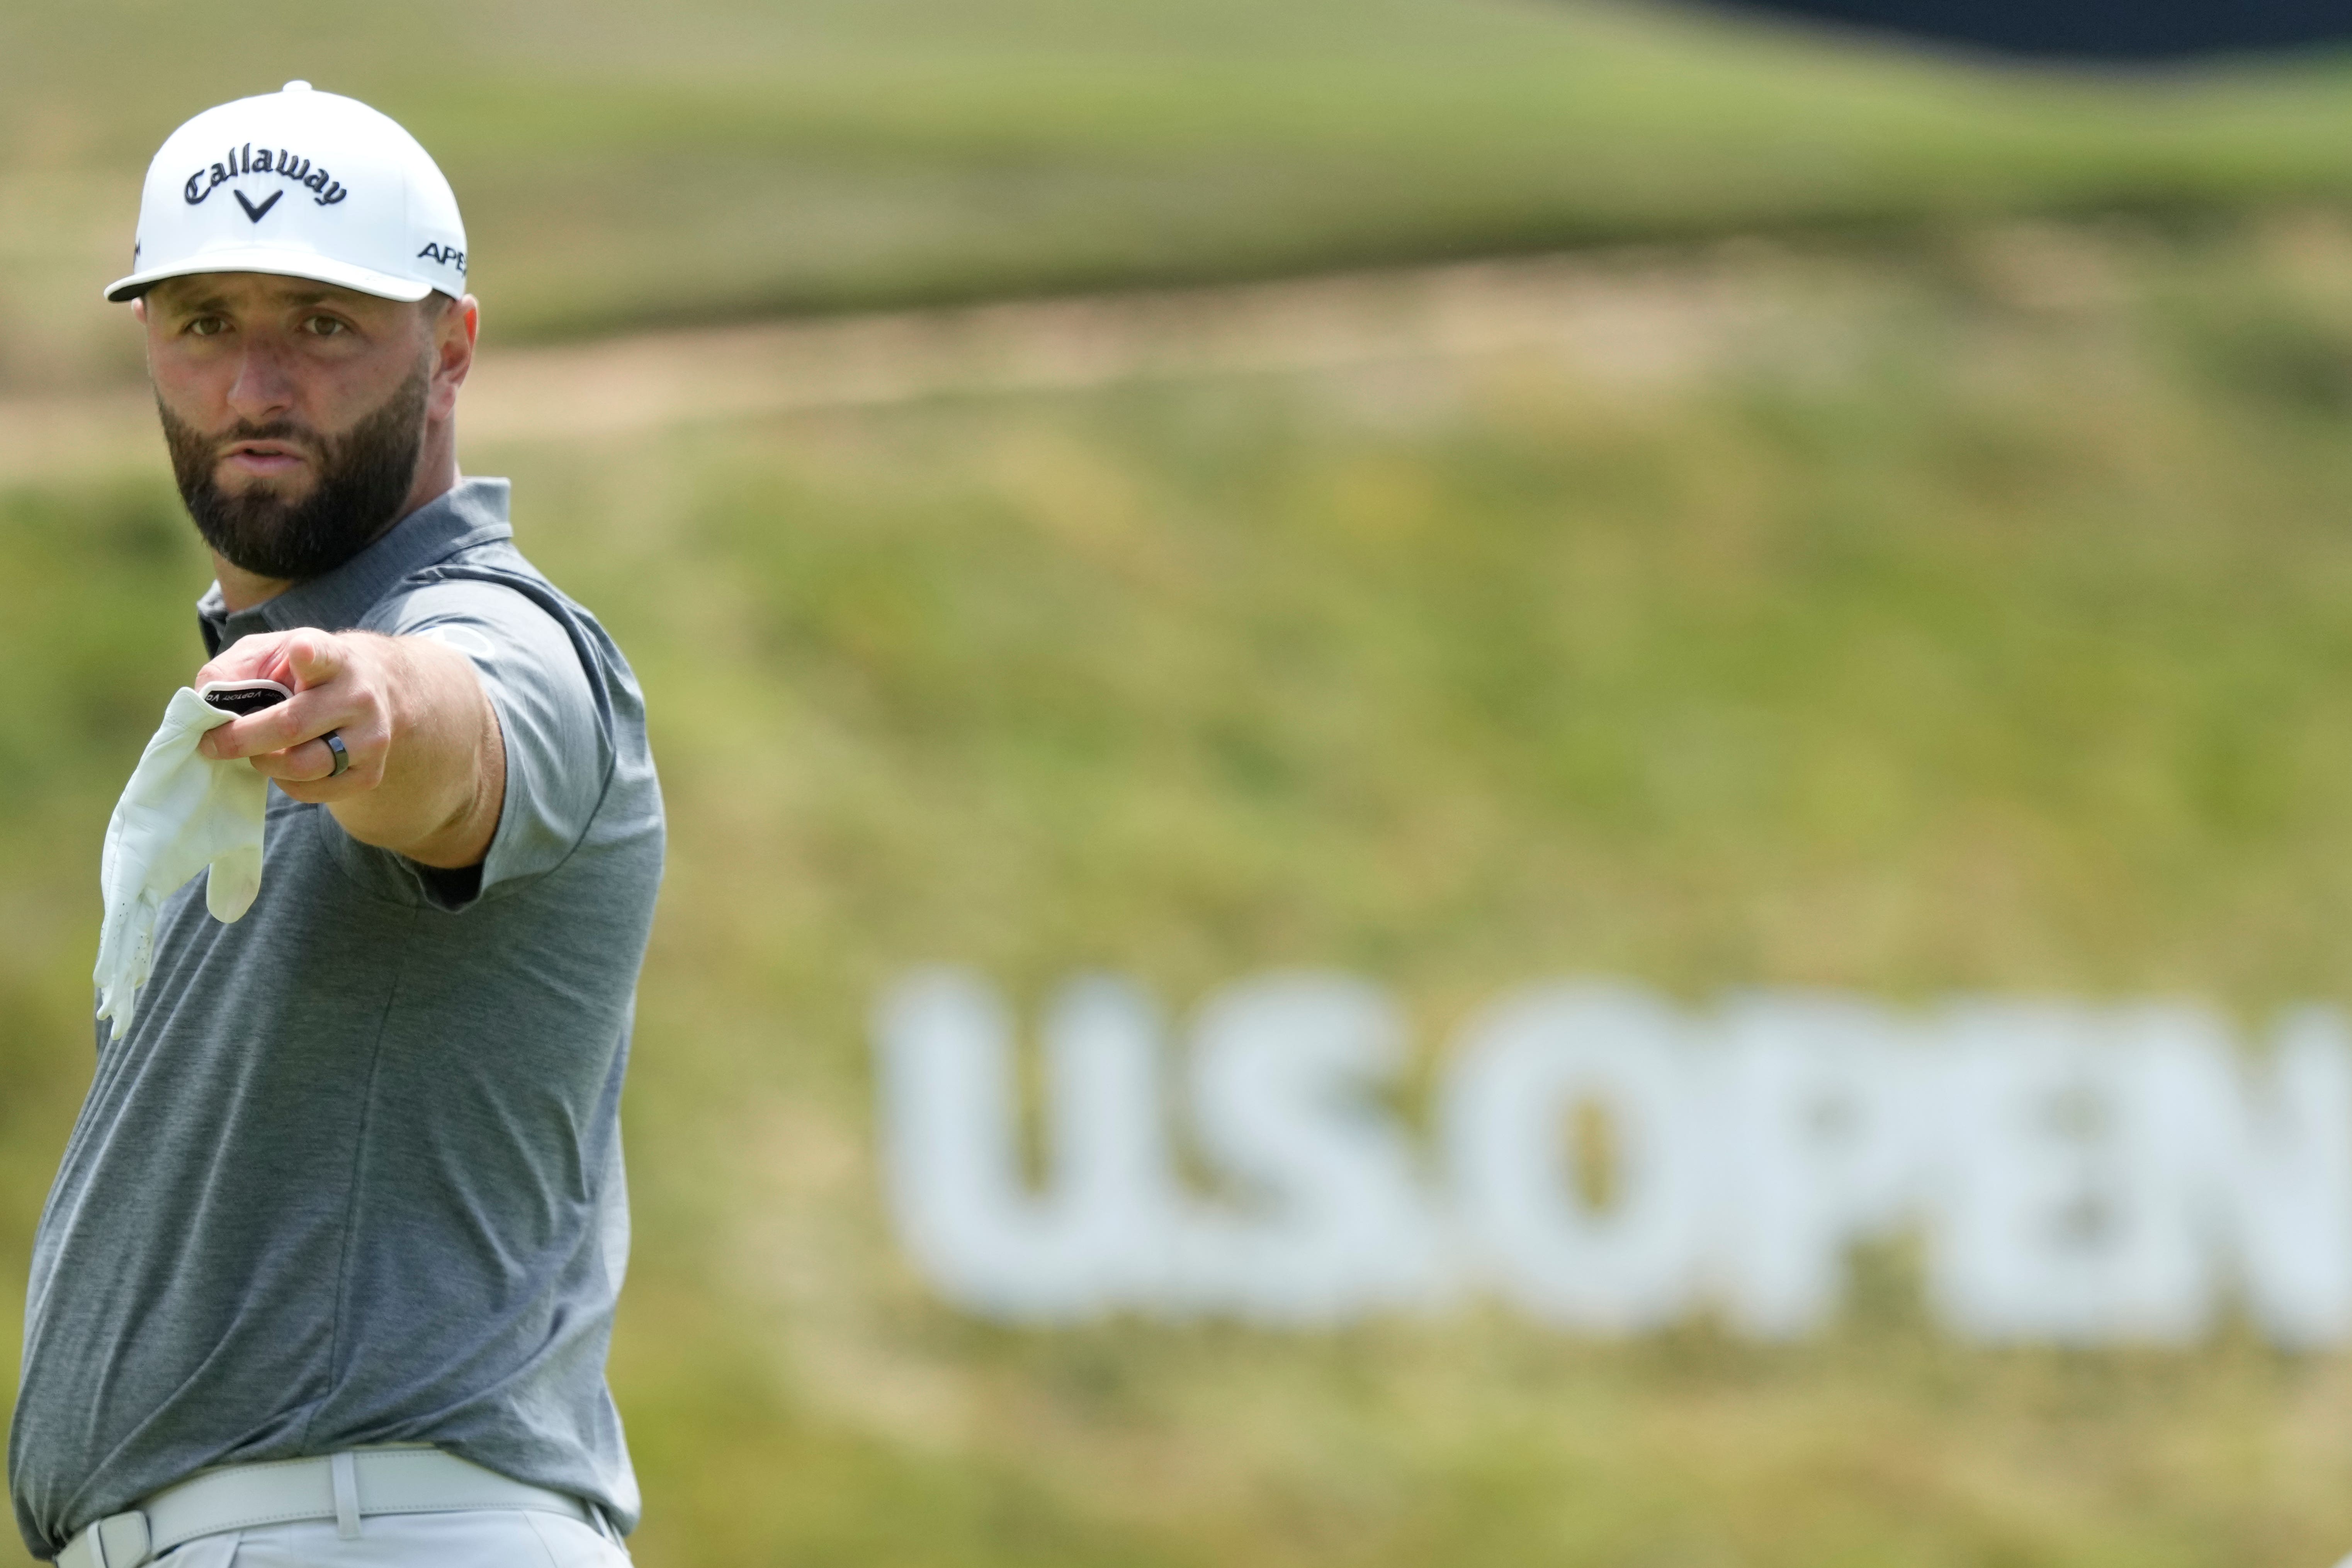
x: 341, y: 1487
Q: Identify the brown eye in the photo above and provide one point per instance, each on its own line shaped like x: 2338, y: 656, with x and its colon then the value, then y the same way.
x: 324, y: 327
x: 206, y: 326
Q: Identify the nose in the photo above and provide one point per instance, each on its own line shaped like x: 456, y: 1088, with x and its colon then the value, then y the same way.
x: 262, y: 391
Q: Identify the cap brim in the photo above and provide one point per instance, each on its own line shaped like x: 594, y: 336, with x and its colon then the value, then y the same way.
x: 279, y: 263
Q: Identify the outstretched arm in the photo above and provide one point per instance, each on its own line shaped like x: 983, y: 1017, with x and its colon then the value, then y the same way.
x: 428, y: 775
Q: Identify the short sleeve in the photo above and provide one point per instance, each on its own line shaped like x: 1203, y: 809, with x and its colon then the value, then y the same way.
x: 558, y: 753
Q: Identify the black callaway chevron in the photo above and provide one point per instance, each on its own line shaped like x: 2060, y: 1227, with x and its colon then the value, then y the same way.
x: 256, y: 213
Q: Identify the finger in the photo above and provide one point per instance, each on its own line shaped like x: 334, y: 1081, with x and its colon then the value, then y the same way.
x: 313, y: 766
x: 310, y: 760
x: 315, y: 658
x: 320, y: 755
x: 306, y: 769
x: 256, y: 734
x: 257, y: 657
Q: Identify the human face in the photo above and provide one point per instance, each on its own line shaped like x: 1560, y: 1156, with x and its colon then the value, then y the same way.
x: 294, y: 412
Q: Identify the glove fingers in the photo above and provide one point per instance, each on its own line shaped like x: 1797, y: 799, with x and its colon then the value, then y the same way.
x: 126, y: 955
x: 235, y: 879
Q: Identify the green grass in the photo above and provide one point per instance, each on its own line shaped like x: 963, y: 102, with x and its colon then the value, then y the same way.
x: 1964, y: 633
x: 626, y: 164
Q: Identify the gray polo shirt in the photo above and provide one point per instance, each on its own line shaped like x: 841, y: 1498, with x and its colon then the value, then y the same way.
x: 354, y: 1174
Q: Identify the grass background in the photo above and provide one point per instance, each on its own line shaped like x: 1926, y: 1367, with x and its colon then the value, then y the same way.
x: 1975, y: 622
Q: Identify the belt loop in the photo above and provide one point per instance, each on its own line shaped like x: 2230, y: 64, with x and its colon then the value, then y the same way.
x: 346, y: 1475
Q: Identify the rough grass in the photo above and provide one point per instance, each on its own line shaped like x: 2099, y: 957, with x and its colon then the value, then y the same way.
x: 1985, y: 631
x: 622, y: 164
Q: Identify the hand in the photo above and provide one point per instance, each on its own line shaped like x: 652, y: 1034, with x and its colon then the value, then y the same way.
x: 341, y: 683
x: 428, y: 775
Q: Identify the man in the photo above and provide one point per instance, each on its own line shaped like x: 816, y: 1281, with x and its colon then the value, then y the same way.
x: 328, y: 1273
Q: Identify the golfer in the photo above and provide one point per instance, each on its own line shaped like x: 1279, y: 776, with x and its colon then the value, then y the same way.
x: 328, y: 1273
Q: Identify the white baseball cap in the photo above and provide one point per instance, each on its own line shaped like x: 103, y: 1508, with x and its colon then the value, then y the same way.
x: 304, y: 185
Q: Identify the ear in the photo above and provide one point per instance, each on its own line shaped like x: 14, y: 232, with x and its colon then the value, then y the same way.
x: 453, y: 326
x: 139, y: 309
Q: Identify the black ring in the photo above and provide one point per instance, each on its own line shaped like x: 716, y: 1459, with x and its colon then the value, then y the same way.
x: 342, y: 759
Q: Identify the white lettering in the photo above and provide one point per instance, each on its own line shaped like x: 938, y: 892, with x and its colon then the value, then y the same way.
x: 1328, y: 1217
x: 2051, y: 1213
x: 1819, y: 1129
x: 1511, y: 1143
x: 2264, y: 1169
x: 1609, y: 1163
x: 1097, y: 1235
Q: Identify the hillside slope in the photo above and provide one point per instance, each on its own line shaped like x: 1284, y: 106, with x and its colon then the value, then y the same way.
x: 1977, y: 627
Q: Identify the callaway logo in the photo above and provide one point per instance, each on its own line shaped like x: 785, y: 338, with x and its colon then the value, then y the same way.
x: 282, y: 164
x: 447, y: 255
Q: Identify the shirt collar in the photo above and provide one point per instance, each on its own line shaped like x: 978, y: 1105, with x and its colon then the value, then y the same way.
x: 473, y: 512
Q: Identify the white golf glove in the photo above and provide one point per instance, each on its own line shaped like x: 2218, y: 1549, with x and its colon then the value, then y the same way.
x: 180, y: 813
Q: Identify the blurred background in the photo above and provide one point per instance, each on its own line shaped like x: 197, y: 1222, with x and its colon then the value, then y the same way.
x: 1454, y: 492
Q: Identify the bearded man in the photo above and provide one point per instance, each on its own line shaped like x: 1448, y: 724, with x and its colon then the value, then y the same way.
x: 328, y: 1273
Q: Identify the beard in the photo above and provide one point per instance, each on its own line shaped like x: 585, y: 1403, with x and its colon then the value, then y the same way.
x: 364, y: 476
